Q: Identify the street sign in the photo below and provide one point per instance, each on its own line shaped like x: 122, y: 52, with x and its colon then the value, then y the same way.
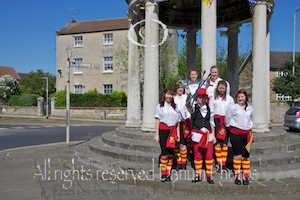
x: 85, y: 65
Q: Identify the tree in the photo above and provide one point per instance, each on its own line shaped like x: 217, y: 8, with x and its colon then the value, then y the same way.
x: 8, y: 86
x: 168, y: 67
x: 286, y: 84
x: 182, y: 61
x: 222, y: 57
x: 33, y: 83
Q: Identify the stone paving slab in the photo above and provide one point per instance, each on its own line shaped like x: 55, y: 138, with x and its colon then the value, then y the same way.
x: 24, y: 186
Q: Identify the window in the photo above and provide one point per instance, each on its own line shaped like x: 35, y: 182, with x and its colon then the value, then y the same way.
x: 108, y: 64
x: 108, y: 88
x: 77, y: 70
x: 108, y: 38
x: 78, y: 89
x: 283, y: 97
x: 78, y: 41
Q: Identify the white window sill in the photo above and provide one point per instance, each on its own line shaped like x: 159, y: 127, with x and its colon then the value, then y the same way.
x: 107, y: 72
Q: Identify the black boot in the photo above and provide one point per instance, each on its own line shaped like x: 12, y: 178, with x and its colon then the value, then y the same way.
x: 224, y: 168
x: 163, y: 178
x: 218, y: 168
x: 209, y: 180
x: 168, y: 178
x: 197, y: 179
x: 237, y: 181
x: 246, y: 181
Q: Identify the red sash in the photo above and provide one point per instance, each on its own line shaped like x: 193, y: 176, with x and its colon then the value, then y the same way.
x: 186, y: 129
x: 221, y: 134
x: 204, y: 140
x: 238, y: 131
x: 172, y: 138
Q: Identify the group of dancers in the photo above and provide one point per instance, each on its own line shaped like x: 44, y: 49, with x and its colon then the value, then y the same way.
x: 196, y: 119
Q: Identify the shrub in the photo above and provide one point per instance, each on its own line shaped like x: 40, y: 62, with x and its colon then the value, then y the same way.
x: 92, y: 99
x: 23, y: 100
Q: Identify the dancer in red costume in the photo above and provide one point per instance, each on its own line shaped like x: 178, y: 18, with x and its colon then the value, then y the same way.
x: 239, y: 119
x: 221, y: 102
x: 166, y: 132
x: 181, y: 100
x: 203, y: 136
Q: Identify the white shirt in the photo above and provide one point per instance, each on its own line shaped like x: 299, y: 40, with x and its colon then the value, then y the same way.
x: 193, y: 88
x: 220, y: 106
x: 211, y: 88
x: 167, y: 114
x: 181, y: 105
x: 238, y: 117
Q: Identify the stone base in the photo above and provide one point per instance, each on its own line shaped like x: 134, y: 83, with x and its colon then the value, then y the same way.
x: 260, y: 128
x: 148, y: 127
x: 133, y: 123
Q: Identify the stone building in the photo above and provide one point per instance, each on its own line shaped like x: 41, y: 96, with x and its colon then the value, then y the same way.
x: 93, y: 62
x: 9, y: 71
x: 277, y: 59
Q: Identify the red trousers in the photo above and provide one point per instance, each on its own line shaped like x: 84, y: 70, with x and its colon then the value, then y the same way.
x: 206, y: 153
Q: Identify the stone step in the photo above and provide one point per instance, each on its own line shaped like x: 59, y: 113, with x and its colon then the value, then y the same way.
x: 290, y: 142
x: 152, y: 171
x: 97, y: 146
x: 276, y: 134
x: 83, y: 154
x: 134, y: 133
x: 115, y: 140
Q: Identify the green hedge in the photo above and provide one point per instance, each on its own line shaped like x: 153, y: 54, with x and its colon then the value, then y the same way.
x: 92, y: 99
x: 22, y: 100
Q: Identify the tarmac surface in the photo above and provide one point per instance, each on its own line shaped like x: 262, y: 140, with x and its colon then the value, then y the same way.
x: 37, y: 172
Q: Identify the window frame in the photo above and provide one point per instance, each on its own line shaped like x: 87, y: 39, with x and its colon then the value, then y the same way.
x: 78, y: 43
x: 77, y: 70
x: 110, y: 63
x: 108, y: 40
x: 77, y: 88
x: 107, y: 90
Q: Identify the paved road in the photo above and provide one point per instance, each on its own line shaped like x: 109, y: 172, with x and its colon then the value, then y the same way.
x: 20, y: 135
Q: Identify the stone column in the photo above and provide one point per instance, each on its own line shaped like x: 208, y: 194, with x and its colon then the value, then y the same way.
x: 133, y: 97
x: 268, y: 72
x: 209, y: 35
x: 191, y: 50
x: 53, y: 101
x: 233, y: 55
x: 260, y: 81
x: 40, y: 105
x: 151, y: 69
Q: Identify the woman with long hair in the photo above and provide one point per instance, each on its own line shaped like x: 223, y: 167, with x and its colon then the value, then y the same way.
x: 166, y: 132
x: 221, y: 102
x: 211, y: 83
x: 239, y: 119
x: 180, y: 98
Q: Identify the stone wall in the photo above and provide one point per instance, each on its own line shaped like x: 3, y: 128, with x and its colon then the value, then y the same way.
x: 277, y: 112
x: 85, y: 113
x: 91, y: 113
x: 19, y: 110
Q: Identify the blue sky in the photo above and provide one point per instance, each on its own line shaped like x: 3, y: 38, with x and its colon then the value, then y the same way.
x: 28, y: 28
